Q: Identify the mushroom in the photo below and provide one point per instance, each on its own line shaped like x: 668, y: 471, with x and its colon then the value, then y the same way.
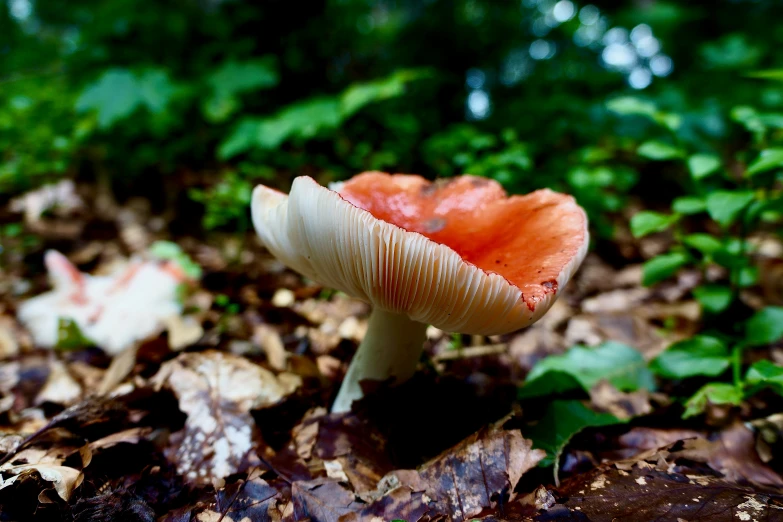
x: 455, y: 253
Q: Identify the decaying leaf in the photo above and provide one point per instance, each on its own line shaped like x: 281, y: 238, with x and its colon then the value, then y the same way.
x: 247, y: 500
x: 60, y: 387
x: 217, y: 391
x: 475, y: 474
x: 49, y: 464
x: 730, y: 452
x: 641, y: 494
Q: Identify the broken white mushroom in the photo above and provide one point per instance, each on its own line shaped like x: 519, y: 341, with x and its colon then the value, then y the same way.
x: 458, y: 254
x: 113, y: 311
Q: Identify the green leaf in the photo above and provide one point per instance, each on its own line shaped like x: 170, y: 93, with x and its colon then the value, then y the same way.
x: 553, y: 382
x: 689, y: 205
x: 765, y: 373
x: 358, y: 95
x: 702, y: 165
x: 769, y: 74
x: 243, y: 138
x: 232, y: 79
x: 173, y: 252
x: 713, y: 393
x: 563, y: 420
x: 70, y: 337
x: 731, y: 51
x: 308, y: 118
x: 748, y: 276
x: 647, y: 222
x: 633, y: 106
x: 238, y: 77
x: 704, y: 243
x: 765, y: 326
x: 661, y: 267
x: 699, y: 355
x: 658, y: 150
x: 114, y: 96
x: 768, y: 159
x: 713, y: 298
x: 725, y: 206
x: 118, y: 93
x: 621, y: 365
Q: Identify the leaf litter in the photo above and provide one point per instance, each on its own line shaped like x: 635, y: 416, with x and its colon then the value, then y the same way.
x: 218, y: 413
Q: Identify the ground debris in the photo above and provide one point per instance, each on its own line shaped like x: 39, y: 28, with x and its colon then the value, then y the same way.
x: 217, y: 391
x: 642, y: 494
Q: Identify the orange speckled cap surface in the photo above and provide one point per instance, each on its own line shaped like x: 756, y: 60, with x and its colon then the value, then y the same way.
x: 526, y: 239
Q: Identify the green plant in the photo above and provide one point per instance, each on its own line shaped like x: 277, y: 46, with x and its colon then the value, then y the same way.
x: 742, y: 199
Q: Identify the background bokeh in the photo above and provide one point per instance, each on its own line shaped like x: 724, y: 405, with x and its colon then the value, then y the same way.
x: 191, y: 102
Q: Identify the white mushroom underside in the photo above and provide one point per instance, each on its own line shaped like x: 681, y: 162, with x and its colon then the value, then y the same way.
x: 327, y: 239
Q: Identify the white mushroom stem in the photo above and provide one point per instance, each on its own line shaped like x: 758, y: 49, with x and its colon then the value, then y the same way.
x: 390, y: 350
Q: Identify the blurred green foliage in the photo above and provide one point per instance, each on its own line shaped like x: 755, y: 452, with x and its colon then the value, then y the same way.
x: 537, y: 93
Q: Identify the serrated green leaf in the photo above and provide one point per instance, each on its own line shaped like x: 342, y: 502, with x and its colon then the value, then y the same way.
x: 118, y: 93
x: 658, y: 150
x: 768, y: 159
x: 702, y: 165
x: 765, y: 326
x: 699, y: 355
x: 563, y: 420
x: 114, y: 96
x: 713, y: 393
x: 661, y: 267
x: 725, y: 206
x: 620, y: 364
x: 646, y: 222
x: 689, y: 205
x: 713, y: 298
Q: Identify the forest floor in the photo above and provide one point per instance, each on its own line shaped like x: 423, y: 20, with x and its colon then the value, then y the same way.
x: 223, y: 415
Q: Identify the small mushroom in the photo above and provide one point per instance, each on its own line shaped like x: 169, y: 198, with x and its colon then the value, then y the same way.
x: 458, y: 254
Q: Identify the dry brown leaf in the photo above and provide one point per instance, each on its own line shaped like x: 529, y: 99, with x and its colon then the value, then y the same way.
x: 474, y: 475
x: 183, y: 331
x: 217, y: 391
x: 48, y: 465
x: 270, y: 342
x: 9, y: 346
x: 623, y: 405
x: 641, y: 494
x: 251, y: 500
x: 60, y: 387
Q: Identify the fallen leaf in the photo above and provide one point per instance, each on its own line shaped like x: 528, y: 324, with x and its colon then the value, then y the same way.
x: 640, y: 494
x: 475, y: 474
x: 49, y: 465
x: 322, y: 500
x: 251, y: 500
x: 60, y: 387
x: 183, y: 331
x: 217, y: 391
x: 623, y: 405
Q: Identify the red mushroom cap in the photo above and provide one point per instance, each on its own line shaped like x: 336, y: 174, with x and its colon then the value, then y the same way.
x: 456, y: 253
